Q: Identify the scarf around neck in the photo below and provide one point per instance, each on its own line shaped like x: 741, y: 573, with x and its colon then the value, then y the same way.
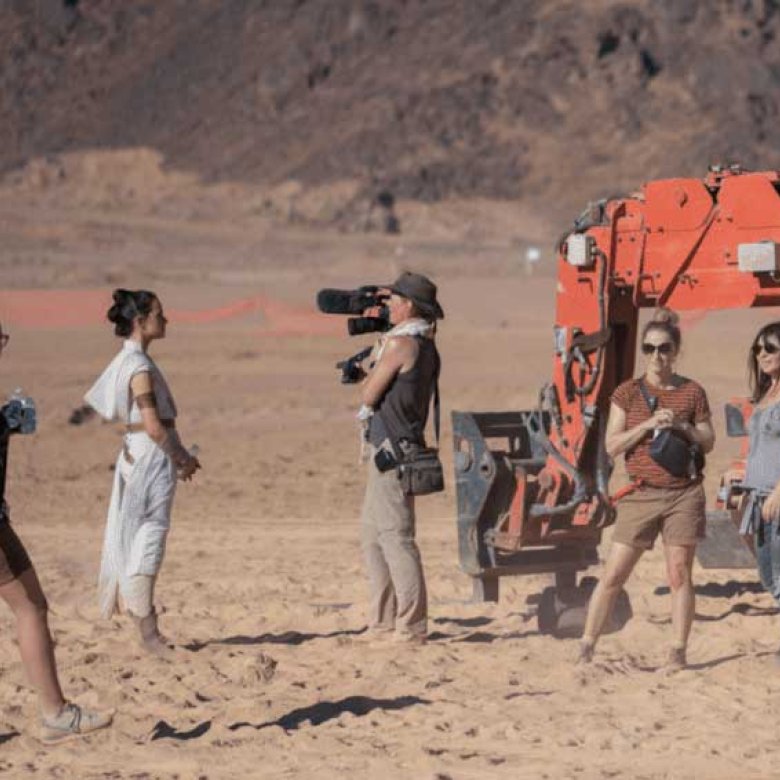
x: 413, y: 327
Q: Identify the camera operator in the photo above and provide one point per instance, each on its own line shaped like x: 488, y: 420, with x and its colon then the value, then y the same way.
x: 21, y: 590
x: 396, y: 397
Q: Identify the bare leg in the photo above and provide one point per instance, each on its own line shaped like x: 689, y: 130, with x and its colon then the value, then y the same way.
x: 620, y: 563
x: 679, y: 564
x: 25, y: 598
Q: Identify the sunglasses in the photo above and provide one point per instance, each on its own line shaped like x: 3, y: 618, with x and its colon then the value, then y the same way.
x: 662, y: 349
x: 767, y: 347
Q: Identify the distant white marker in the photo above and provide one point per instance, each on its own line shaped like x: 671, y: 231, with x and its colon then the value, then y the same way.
x: 532, y: 256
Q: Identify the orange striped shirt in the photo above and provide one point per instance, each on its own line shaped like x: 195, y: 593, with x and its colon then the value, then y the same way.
x: 689, y: 403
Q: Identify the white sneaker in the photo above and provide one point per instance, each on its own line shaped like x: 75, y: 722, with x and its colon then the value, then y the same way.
x: 72, y: 722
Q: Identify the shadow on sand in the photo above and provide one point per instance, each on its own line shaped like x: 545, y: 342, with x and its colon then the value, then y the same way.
x: 741, y: 608
x: 164, y: 730
x: 292, y: 638
x: 472, y: 622
x: 323, y: 711
x: 719, y: 590
x: 8, y: 737
x: 715, y: 662
x: 486, y: 637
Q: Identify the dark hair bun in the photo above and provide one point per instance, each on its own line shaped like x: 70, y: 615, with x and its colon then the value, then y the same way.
x: 128, y: 304
x: 666, y: 316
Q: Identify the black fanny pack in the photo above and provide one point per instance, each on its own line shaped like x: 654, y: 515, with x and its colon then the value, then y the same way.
x: 670, y: 449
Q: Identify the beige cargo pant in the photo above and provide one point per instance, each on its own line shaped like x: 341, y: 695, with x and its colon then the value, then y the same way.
x: 399, y: 599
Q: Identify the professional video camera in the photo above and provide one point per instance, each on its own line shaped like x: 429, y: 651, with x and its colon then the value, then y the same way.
x: 357, y: 302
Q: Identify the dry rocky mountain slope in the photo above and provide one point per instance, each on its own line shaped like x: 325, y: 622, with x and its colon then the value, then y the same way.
x: 548, y: 101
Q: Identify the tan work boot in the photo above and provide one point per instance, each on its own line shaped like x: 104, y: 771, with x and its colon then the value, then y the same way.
x: 72, y: 722
x: 150, y: 637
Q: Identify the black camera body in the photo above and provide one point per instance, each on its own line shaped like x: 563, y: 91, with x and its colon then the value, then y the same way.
x: 351, y: 368
x: 356, y: 302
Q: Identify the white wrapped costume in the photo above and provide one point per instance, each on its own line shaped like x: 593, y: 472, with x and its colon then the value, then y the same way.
x: 139, y: 513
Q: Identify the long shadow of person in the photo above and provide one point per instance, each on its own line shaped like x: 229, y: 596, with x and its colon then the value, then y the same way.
x: 292, y: 638
x: 323, y: 711
x: 719, y: 590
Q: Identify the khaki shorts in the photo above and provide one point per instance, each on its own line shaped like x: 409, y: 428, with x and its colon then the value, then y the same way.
x: 13, y: 557
x: 678, y: 514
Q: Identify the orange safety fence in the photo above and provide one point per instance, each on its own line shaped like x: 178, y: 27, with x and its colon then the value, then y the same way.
x: 47, y: 309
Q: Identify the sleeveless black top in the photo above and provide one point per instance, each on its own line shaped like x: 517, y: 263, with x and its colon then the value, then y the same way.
x: 402, y: 412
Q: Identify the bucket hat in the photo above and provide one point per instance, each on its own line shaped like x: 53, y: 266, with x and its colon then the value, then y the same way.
x: 421, y: 291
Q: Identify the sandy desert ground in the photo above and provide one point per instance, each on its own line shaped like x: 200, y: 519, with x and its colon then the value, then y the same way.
x: 263, y: 586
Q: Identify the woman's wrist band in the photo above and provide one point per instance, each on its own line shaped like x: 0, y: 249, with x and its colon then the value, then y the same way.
x: 172, y: 447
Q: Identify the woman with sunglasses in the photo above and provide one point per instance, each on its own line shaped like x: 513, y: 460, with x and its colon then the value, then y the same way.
x: 660, y: 503
x: 762, y: 474
x: 22, y: 592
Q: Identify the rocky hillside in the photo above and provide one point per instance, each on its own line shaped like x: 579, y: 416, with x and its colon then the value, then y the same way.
x: 548, y: 101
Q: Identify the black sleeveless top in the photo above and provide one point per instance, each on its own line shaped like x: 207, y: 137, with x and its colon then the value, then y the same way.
x: 402, y: 412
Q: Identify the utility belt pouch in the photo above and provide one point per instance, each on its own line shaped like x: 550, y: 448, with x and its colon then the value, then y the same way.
x: 671, y: 450
x: 419, y: 470
x: 384, y: 460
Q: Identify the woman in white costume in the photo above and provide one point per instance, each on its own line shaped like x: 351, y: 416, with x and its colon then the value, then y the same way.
x: 133, y: 390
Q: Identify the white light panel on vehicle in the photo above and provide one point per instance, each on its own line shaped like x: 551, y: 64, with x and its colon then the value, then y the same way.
x: 759, y: 257
x: 579, y: 250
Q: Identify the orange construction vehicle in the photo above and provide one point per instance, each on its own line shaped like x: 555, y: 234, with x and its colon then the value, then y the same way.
x: 532, y: 486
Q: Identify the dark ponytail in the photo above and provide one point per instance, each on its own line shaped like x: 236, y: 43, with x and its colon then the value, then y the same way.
x: 129, y: 304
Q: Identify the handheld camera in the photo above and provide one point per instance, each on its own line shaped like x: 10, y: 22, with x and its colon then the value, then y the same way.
x: 368, y: 312
x: 351, y: 369
x: 357, y: 303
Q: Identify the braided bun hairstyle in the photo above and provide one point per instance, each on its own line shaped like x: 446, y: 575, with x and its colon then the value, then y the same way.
x: 667, y: 322
x: 129, y: 304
